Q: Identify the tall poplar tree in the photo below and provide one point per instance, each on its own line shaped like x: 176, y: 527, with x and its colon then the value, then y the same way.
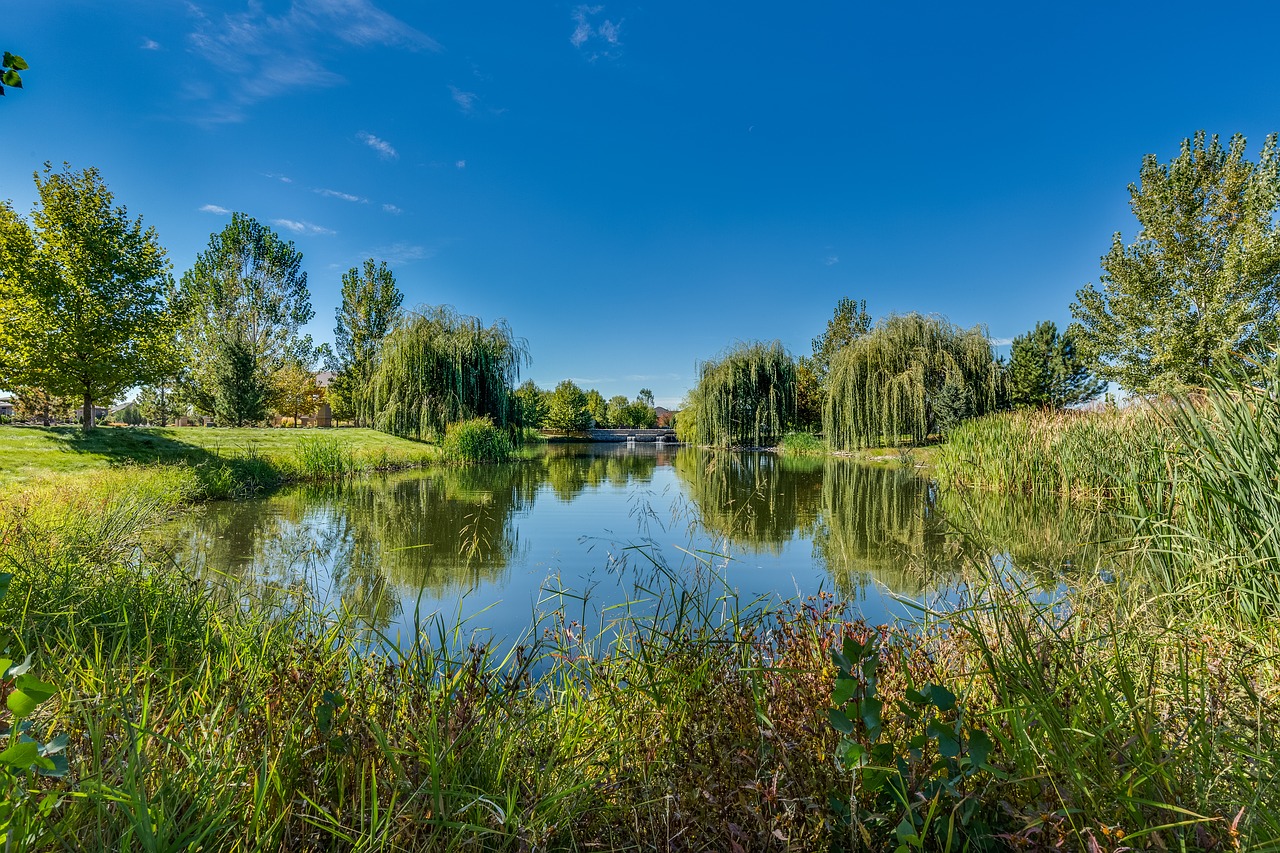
x: 370, y: 307
x: 83, y: 294
x: 243, y: 303
x: 1202, y: 279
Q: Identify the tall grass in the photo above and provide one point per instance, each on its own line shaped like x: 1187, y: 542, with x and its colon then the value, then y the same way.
x: 1092, y: 455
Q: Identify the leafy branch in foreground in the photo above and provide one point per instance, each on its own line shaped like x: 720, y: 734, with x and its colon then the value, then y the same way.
x: 9, y: 69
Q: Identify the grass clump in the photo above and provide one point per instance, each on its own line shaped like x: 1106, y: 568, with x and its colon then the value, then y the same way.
x: 476, y: 440
x: 802, y: 444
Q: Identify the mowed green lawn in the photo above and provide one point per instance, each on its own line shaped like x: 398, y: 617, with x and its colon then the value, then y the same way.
x: 28, y: 452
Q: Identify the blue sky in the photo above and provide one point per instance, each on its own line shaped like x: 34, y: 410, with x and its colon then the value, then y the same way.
x: 632, y: 185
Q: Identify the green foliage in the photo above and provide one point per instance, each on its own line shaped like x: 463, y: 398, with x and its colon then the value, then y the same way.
x: 850, y: 322
x: 130, y: 414
x: 23, y: 755
x: 9, y: 69
x: 155, y: 402
x: 294, y: 390
x: 243, y: 304
x: 632, y: 414
x: 39, y: 406
x: 476, y: 440
x: 911, y: 376
x: 82, y: 294
x: 240, y: 390
x: 567, y: 408
x: 531, y: 402
x: 802, y: 444
x: 747, y: 396
x: 921, y: 794
x: 1045, y: 371
x: 1211, y: 529
x: 598, y: 409
x: 1097, y: 456
x: 1202, y: 279
x: 438, y: 367
x: 370, y: 307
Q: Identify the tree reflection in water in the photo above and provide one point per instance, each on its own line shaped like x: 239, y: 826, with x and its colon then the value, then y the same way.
x: 381, y: 543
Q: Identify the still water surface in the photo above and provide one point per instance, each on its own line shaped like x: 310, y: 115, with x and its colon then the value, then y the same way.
x: 496, y: 544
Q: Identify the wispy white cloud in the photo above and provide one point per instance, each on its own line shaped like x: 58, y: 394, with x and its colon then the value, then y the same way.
x: 590, y: 381
x: 382, y: 146
x: 1001, y: 342
x: 149, y: 44
x: 327, y: 193
x: 214, y: 208
x: 402, y: 253
x: 392, y: 209
x: 595, y: 37
x: 466, y: 101
x: 460, y: 164
x: 831, y: 260
x: 276, y: 54
x: 284, y: 179
x: 298, y: 227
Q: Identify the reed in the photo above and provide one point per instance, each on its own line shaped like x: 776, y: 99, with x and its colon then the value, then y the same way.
x: 1087, y: 455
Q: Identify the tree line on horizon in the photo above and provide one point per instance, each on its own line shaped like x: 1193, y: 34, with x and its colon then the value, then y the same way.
x: 1195, y: 296
x: 89, y: 308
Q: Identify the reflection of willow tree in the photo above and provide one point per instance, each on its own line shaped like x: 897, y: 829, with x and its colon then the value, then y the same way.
x: 882, y: 524
x: 434, y: 531
x: 757, y: 500
x: 1041, y: 536
x: 570, y: 470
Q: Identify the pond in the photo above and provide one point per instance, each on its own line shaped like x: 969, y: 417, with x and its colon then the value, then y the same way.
x: 589, y: 527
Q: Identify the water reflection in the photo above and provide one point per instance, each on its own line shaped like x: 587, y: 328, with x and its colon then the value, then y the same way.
x: 384, y: 544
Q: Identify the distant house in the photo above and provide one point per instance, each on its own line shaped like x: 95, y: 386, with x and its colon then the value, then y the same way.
x: 666, y: 417
x: 7, y: 403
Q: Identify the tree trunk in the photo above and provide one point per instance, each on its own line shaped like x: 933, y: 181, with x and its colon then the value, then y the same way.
x: 87, y: 416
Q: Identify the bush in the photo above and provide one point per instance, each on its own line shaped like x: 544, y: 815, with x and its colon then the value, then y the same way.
x: 476, y: 440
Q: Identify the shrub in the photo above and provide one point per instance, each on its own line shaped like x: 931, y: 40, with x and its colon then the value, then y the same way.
x: 476, y: 440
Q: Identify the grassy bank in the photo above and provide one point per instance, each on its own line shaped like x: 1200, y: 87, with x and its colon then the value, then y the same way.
x: 253, y: 455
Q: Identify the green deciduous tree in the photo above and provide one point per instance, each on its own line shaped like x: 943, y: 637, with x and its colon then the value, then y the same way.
x: 849, y: 322
x: 83, y: 294
x: 1045, y: 370
x: 37, y: 404
x: 618, y: 408
x: 746, y: 396
x: 1202, y: 279
x: 243, y: 303
x: 157, y: 404
x: 295, y: 391
x: 438, y: 367
x: 567, y: 408
x: 370, y: 307
x: 532, y: 403
x: 910, y: 376
x: 598, y: 409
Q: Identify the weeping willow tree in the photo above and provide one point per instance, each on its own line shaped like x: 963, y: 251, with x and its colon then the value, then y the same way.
x: 748, y: 396
x: 910, y: 377
x: 436, y: 367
